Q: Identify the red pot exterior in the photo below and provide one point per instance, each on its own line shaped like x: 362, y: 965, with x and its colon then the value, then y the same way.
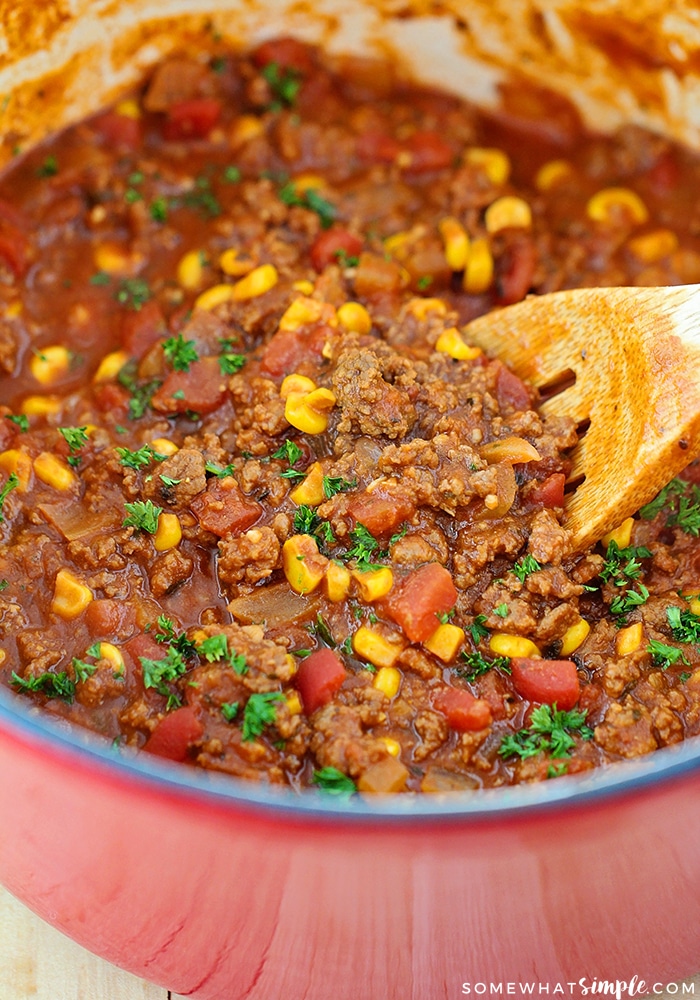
x: 216, y: 899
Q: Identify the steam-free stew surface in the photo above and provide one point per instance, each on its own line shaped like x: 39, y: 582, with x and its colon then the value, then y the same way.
x: 265, y: 510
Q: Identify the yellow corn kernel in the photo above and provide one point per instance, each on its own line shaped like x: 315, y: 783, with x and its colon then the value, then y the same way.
x: 3, y: 656
x: 17, y: 461
x: 610, y: 203
x: 113, y: 654
x: 235, y: 264
x: 164, y: 446
x: 388, y: 680
x: 129, y: 109
x: 308, y: 412
x: 215, y: 296
x: 445, y: 641
x: 303, y: 286
x: 393, y: 746
x: 257, y: 282
x: 377, y: 649
x: 551, y: 173
x: 301, y: 312
x: 694, y: 605
x: 574, y: 636
x: 110, y: 366
x: 652, y: 247
x: 629, y: 639
x: 494, y: 162
x: 309, y: 182
x: 512, y: 450
x: 303, y: 565
x: 292, y: 664
x: 296, y: 383
x: 456, y: 241
x: 13, y: 309
x: 507, y: 212
x: 354, y: 317
x: 294, y: 703
x: 247, y: 127
x: 54, y: 472
x: 310, y: 490
x: 396, y: 244
x: 190, y: 271
x: 168, y: 533
x: 512, y: 645
x: 374, y: 583
x: 40, y: 406
x: 112, y: 259
x: 337, y: 581
x: 421, y: 307
x: 622, y: 535
x: 71, y: 596
x: 451, y: 342
x: 478, y: 274
x: 49, y: 364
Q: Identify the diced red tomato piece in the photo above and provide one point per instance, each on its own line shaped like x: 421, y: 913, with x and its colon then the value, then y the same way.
x: 428, y: 151
x: 142, y: 328
x: 318, y: 678
x: 419, y: 599
x: 516, y: 269
x: 107, y: 617
x: 287, y: 349
x: 192, y: 119
x: 202, y: 389
x: 327, y: 245
x: 223, y: 509
x: 175, y: 734
x: 511, y: 391
x: 119, y: 131
x: 548, y: 493
x: 287, y: 53
x: 374, y: 146
x: 112, y: 398
x: 463, y: 711
x: 553, y: 682
x: 14, y: 250
x: 380, y: 513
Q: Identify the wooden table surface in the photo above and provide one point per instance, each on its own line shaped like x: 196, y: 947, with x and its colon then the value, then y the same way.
x: 38, y: 963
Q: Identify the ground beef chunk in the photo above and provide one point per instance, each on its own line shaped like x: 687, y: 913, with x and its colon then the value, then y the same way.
x: 340, y: 741
x: 480, y: 545
x: 12, y: 618
x: 186, y: 470
x: 8, y: 347
x: 548, y: 542
x: 169, y: 571
x: 433, y: 730
x: 39, y: 649
x: 248, y: 559
x: 368, y: 402
x: 627, y: 729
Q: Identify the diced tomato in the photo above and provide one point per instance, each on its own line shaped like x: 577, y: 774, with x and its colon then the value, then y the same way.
x: 107, y: 617
x: 511, y: 391
x: 463, y: 711
x: 419, y: 599
x: 376, y: 276
x: 326, y: 246
x: 175, y: 734
x: 192, y: 119
x: 223, y: 509
x: 286, y: 350
x: 202, y: 389
x: 516, y: 269
x: 380, y: 513
x: 374, y: 146
x: 14, y: 250
x: 428, y: 152
x: 119, y: 131
x: 548, y: 493
x: 112, y: 398
x: 554, y: 682
x: 318, y: 678
x: 142, y: 328
x: 287, y: 53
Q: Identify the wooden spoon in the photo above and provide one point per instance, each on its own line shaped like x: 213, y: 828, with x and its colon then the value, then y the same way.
x: 633, y: 356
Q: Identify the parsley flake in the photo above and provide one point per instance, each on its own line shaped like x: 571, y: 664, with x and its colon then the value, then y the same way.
x: 259, y: 712
x: 180, y: 353
x: 331, y: 781
x: 524, y: 566
x: 336, y: 484
x: 11, y: 484
x: 666, y: 656
x: 21, y: 420
x: 57, y: 685
x: 551, y: 730
x: 142, y: 515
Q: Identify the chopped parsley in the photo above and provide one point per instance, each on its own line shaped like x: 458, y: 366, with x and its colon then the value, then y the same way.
x: 139, y: 459
x: 501, y: 611
x: 133, y: 293
x: 159, y: 209
x: 478, y: 629
x: 169, y: 482
x: 476, y: 665
x: 230, y: 363
x: 142, y: 515
x: 289, y: 452
x: 49, y: 168
x: 685, y: 626
x: 220, y: 471
x: 524, y: 566
x: 681, y: 502
x: 57, y: 685
x: 307, y: 522
x: 202, y: 199
x: 331, y: 781
x: 259, y: 712
x: 623, y: 603
x: 140, y: 394
x: 229, y: 710
x: 21, y: 420
x: 158, y: 673
x: 364, y: 546
x: 215, y: 648
x: 284, y: 83
x: 82, y: 670
x: 345, y: 259
x: 75, y: 438
x: 100, y: 278
x: 550, y: 731
x: 666, y: 656
x: 11, y: 484
x: 4, y: 584
x: 180, y: 353
x: 232, y: 175
x: 336, y: 484
x: 425, y: 281
x: 310, y: 199
x: 322, y: 630
x: 623, y: 564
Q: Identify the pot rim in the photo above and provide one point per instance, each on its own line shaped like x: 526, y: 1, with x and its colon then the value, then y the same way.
x: 634, y: 777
